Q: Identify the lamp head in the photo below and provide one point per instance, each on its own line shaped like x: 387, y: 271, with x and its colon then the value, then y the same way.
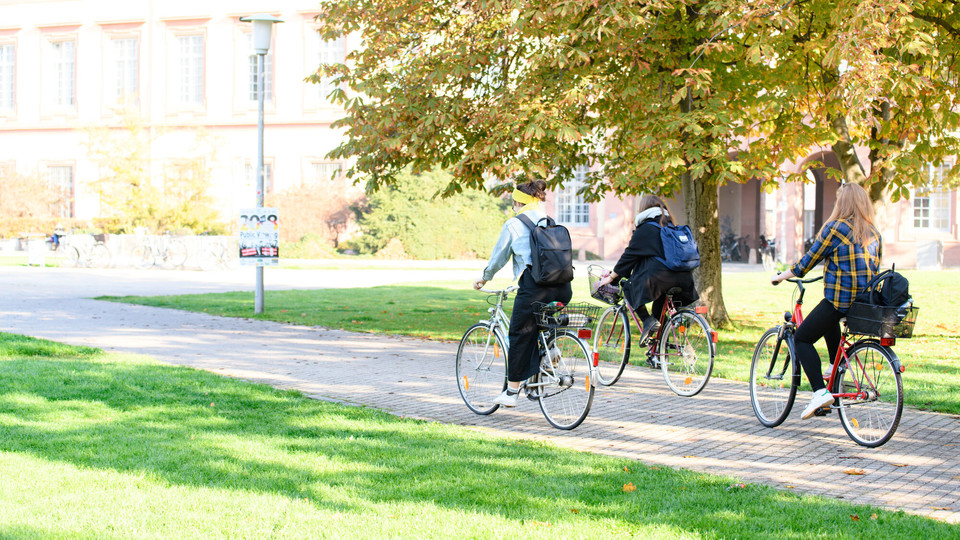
x: 262, y: 27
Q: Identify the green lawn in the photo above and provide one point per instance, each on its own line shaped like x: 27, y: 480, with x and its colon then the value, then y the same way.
x: 96, y: 445
x: 444, y: 310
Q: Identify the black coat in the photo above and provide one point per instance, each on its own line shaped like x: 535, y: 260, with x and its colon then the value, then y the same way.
x: 647, y: 278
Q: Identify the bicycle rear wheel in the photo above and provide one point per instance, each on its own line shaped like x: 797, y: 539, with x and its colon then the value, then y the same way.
x: 68, y: 256
x: 565, y: 389
x: 774, y: 378
x: 481, y: 368
x: 612, y: 344
x: 870, y: 372
x: 686, y: 353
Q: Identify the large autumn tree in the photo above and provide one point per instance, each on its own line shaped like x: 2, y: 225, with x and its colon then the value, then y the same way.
x: 670, y: 96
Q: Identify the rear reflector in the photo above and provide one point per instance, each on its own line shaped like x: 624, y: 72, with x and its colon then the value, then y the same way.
x: 714, y: 337
x: 700, y: 309
x: 596, y: 359
x: 888, y: 341
x: 584, y: 333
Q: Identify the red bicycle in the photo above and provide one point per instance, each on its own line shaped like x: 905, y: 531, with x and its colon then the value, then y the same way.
x: 683, y: 347
x: 865, y: 379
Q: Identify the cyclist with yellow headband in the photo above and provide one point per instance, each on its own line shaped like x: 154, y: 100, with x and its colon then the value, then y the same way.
x: 514, y: 241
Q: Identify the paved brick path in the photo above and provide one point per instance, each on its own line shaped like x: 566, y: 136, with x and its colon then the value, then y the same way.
x: 639, y: 418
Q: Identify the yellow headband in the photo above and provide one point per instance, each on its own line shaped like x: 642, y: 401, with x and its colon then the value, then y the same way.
x: 524, y: 198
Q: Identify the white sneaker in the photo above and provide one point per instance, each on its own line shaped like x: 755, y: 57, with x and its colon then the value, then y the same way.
x: 821, y: 398
x: 507, y: 399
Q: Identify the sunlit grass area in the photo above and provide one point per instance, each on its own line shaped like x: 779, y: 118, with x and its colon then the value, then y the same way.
x: 444, y: 310
x: 96, y: 445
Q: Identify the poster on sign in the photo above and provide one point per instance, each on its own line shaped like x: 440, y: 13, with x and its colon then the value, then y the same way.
x: 259, y: 237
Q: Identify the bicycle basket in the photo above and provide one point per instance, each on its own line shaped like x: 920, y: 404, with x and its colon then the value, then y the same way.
x: 577, y: 315
x: 881, y: 321
x: 608, y: 294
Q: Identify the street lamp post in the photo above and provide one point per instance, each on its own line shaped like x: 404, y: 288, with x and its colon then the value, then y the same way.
x: 262, y: 30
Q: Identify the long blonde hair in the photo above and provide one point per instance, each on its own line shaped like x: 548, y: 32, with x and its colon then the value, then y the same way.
x: 854, y: 207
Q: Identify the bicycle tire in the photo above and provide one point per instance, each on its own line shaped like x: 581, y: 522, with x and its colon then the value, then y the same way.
x: 100, y: 256
x: 143, y: 257
x: 175, y: 254
x: 771, y: 394
x: 566, y: 389
x: 481, y: 368
x: 686, y: 353
x: 871, y: 368
x: 612, y: 344
x: 68, y: 256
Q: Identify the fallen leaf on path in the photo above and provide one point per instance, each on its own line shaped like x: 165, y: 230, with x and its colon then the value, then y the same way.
x: 874, y: 516
x: 854, y: 472
x: 629, y: 487
x: 854, y: 517
x: 900, y: 464
x: 940, y: 507
x: 574, y: 511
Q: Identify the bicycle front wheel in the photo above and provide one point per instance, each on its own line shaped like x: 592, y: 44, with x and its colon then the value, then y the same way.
x: 175, y: 254
x: 686, y: 353
x: 612, y: 344
x: 481, y: 368
x: 774, y: 378
x: 100, y: 256
x: 871, y: 394
x: 143, y: 257
x: 565, y: 388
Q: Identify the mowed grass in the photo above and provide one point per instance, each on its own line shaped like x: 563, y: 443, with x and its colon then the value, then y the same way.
x: 444, y: 310
x: 96, y: 445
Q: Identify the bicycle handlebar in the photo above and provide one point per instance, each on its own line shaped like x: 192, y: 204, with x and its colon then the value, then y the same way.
x: 798, y: 280
x: 509, y: 289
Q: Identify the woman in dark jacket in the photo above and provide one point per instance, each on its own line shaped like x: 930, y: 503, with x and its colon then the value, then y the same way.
x: 648, y: 279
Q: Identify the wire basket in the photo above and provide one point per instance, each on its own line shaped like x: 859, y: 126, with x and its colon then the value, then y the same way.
x: 881, y: 321
x: 608, y: 294
x: 576, y: 315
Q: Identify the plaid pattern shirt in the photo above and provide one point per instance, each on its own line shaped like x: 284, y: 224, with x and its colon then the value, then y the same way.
x: 849, y: 267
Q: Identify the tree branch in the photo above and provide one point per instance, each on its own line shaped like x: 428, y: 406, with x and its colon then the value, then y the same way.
x: 938, y: 21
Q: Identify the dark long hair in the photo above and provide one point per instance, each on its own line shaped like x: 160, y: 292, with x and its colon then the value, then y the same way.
x: 650, y: 201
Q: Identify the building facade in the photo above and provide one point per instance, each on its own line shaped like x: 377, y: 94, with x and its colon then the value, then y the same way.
x: 181, y: 69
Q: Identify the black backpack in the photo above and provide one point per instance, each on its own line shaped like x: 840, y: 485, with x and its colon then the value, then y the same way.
x: 551, y: 251
x: 888, y: 289
x: 680, y: 252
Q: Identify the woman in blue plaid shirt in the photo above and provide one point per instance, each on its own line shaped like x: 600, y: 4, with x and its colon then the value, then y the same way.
x: 851, y: 247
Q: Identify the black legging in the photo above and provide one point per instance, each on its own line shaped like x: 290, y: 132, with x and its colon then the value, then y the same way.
x: 822, y: 322
x: 523, y: 356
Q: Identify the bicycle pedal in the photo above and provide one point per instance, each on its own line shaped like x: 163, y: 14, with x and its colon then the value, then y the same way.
x: 822, y: 412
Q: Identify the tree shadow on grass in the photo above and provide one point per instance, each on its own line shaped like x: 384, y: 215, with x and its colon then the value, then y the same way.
x: 194, y: 428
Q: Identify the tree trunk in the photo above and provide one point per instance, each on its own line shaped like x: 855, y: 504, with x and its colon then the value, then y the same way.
x: 846, y: 154
x: 701, y: 206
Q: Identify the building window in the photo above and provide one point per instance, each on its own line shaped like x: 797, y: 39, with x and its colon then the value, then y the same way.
x: 331, y: 52
x: 250, y: 171
x: 7, y: 76
x: 571, y: 208
x: 931, y: 204
x: 60, y: 178
x: 191, y: 69
x: 127, y: 64
x: 326, y: 171
x: 267, y: 72
x: 64, y: 73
